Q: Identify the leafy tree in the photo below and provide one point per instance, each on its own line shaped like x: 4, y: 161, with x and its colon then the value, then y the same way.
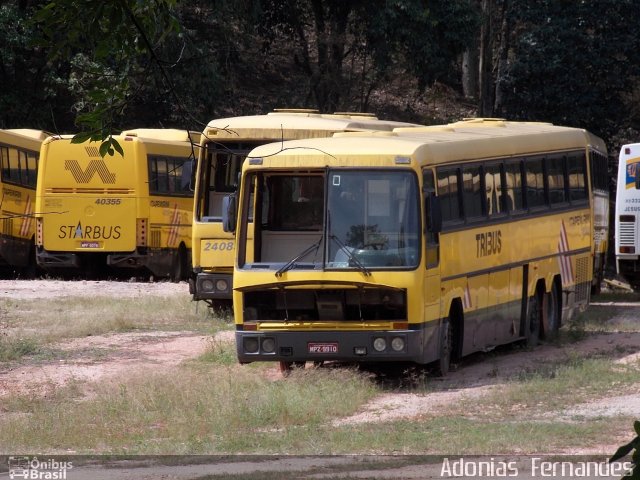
x: 30, y: 87
x: 347, y: 49
x: 632, y: 446
x: 574, y: 62
x: 111, y: 45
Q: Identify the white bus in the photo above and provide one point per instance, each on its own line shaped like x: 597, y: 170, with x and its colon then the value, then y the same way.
x: 627, y: 220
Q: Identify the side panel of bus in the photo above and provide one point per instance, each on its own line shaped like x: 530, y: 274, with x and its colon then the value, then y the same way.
x: 627, y: 224
x: 18, y: 175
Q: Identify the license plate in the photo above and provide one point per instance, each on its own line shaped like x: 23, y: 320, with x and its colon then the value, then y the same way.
x: 323, y: 347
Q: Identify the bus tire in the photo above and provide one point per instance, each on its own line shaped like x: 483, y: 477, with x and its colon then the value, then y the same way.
x: 178, y: 265
x: 287, y: 367
x: 534, y: 318
x: 551, y: 311
x: 30, y: 271
x: 443, y: 366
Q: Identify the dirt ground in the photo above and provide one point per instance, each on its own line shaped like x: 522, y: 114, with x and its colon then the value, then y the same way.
x: 479, y: 376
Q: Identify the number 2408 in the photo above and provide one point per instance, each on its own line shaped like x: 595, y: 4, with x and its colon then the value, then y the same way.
x: 218, y: 246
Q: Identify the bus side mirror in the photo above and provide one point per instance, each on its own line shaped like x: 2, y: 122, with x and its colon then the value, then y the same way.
x: 229, y: 213
x: 434, y: 213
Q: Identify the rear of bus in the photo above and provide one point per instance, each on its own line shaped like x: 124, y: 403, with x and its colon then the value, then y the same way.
x: 627, y: 245
x: 225, y: 144
x: 95, y: 213
x: 19, y: 153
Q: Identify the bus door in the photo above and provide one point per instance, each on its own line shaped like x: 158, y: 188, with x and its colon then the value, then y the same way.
x: 432, y: 293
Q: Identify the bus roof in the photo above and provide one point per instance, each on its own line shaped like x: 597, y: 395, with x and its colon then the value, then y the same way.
x: 167, y: 134
x: 296, y: 124
x: 458, y: 141
x: 27, y: 133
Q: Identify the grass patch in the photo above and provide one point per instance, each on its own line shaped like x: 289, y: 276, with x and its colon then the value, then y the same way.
x: 199, y: 409
x: 551, y: 387
x: 31, y: 323
x: 12, y: 349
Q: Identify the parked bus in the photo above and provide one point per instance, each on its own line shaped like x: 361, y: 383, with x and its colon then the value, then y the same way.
x: 225, y: 144
x: 19, y: 153
x: 627, y: 214
x: 420, y: 245
x: 128, y: 213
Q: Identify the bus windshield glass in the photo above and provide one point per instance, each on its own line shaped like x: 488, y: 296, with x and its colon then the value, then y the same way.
x: 372, y: 219
x: 336, y: 219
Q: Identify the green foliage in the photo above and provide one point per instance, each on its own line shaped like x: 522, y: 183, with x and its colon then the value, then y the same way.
x: 113, y: 47
x: 623, y: 451
x: 574, y: 62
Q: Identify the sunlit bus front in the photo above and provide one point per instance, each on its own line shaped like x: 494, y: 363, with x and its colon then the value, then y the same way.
x: 327, y: 260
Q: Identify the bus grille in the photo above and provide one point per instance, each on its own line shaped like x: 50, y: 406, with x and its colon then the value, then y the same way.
x: 348, y: 304
x: 583, y: 286
x: 7, y: 226
x: 627, y: 233
x: 155, y: 238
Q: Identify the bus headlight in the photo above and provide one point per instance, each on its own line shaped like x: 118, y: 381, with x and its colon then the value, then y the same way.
x: 250, y: 344
x: 379, y: 344
x: 397, y: 344
x: 222, y: 285
x: 268, y: 345
x: 207, y: 285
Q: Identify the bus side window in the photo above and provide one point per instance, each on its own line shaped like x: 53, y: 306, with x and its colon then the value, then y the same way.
x: 6, y: 172
x: 555, y: 174
x: 577, y: 178
x: 473, y: 205
x: 496, y: 194
x: 449, y: 194
x: 535, y: 183
x: 514, y: 186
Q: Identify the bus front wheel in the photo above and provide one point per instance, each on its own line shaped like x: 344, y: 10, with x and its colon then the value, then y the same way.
x: 446, y: 347
x: 287, y: 367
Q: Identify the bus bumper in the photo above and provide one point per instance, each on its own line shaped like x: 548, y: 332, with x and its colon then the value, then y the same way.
x: 212, y: 286
x: 418, y: 346
x: 46, y: 259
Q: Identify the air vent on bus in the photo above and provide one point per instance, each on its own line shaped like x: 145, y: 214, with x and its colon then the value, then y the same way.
x: 583, y: 286
x: 627, y: 234
x: 7, y: 226
x: 155, y: 238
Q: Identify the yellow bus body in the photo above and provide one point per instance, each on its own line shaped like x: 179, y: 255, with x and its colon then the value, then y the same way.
x: 19, y: 154
x: 130, y: 212
x: 512, y: 261
x: 225, y: 143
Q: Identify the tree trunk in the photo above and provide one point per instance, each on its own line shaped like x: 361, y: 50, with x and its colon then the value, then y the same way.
x: 503, y: 58
x: 485, y: 101
x: 470, y: 68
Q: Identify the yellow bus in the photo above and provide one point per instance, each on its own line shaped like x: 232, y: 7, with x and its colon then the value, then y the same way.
x: 117, y: 214
x: 225, y: 144
x: 19, y: 153
x: 420, y: 245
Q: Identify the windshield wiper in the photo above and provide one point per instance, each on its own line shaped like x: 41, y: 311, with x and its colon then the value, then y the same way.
x: 289, y: 265
x: 351, y: 256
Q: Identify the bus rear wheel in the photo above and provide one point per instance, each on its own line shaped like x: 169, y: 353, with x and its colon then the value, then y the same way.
x: 534, y: 317
x: 551, y: 312
x: 178, y: 265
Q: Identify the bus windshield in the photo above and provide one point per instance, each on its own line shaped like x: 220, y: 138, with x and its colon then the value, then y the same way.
x: 337, y: 219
